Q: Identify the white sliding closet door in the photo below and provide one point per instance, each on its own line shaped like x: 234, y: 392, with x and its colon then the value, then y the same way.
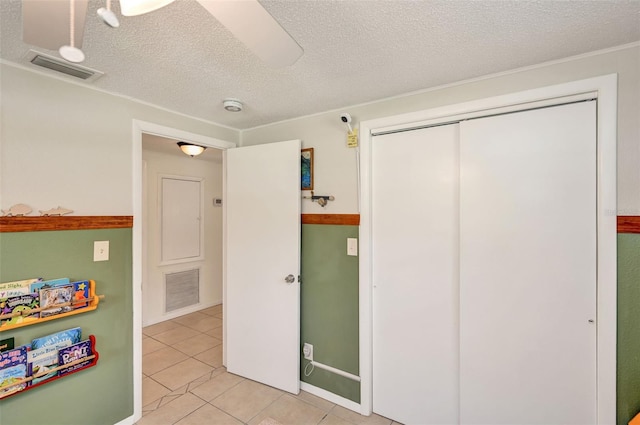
x: 415, y: 275
x: 528, y: 267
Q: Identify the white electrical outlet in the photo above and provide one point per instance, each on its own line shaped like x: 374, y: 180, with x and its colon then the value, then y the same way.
x: 307, y: 351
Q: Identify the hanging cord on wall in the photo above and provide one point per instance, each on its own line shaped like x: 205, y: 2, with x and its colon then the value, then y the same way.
x: 353, y: 142
x: 358, y: 175
x: 307, y: 367
x: 331, y: 369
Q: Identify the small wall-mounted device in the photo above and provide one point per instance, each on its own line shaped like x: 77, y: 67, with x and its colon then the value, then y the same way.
x: 322, y: 200
x: 217, y: 202
x: 307, y: 351
x: 346, y: 118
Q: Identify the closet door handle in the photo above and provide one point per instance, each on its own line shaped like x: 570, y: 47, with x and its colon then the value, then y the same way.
x: 290, y: 279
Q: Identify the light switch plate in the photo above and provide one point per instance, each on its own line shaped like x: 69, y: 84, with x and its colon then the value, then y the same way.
x: 100, y: 250
x: 352, y: 247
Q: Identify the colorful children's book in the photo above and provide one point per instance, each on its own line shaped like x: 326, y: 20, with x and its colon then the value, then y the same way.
x: 18, y: 287
x: 55, y: 297
x: 75, y: 353
x: 44, y: 352
x: 22, y: 304
x: 13, y: 368
x: 63, y: 293
x: 35, y: 287
x: 80, y: 293
x: 7, y: 344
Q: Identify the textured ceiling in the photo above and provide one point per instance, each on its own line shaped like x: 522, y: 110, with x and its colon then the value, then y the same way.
x: 355, y: 51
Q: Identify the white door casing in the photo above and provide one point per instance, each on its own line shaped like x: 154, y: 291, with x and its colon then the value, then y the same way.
x: 262, y: 248
x: 138, y: 129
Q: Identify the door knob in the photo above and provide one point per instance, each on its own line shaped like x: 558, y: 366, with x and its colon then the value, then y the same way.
x: 290, y: 279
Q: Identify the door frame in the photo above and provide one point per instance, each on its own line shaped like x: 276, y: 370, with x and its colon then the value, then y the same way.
x: 138, y: 129
x: 604, y: 88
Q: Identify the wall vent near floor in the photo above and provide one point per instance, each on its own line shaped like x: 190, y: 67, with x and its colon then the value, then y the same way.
x: 60, y: 65
x: 182, y: 289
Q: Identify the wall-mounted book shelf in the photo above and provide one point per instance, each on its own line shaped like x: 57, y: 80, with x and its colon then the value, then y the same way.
x: 73, y: 359
x: 76, y: 305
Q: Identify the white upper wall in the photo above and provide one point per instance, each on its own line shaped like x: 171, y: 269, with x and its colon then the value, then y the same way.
x: 69, y: 145
x: 335, y: 166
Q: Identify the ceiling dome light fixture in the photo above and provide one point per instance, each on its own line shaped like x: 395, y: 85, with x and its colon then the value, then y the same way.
x: 232, y: 105
x: 191, y: 149
x: 140, y: 7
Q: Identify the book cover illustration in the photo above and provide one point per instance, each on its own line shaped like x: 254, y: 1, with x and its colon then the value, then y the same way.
x: 44, y: 352
x: 22, y: 297
x: 55, y: 297
x: 80, y: 293
x: 75, y: 353
x: 18, y: 287
x: 22, y: 304
x: 63, y: 292
x: 7, y: 344
x: 13, y: 368
x: 35, y: 287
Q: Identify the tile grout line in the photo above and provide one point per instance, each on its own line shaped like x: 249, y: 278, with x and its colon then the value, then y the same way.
x: 266, y: 407
x: 162, y: 401
x: 189, y: 387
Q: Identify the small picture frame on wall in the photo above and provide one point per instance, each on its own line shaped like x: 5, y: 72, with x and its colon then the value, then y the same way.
x: 306, y: 173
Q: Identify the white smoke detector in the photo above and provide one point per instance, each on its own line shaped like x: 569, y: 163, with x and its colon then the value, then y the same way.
x: 232, y: 105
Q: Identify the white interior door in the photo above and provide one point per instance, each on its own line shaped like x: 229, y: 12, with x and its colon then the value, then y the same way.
x: 528, y: 267
x: 262, y: 310
x: 415, y: 275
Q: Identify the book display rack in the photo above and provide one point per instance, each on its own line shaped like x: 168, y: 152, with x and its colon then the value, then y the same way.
x: 51, y: 357
x: 45, y: 360
x: 80, y: 300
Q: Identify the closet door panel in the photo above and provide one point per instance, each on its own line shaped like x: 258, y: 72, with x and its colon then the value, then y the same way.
x: 528, y: 267
x: 415, y: 274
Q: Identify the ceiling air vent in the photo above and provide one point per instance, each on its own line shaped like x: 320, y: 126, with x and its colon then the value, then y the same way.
x: 60, y: 65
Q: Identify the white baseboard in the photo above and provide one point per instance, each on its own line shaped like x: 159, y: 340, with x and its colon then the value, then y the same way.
x: 178, y: 313
x: 128, y: 421
x: 333, y: 398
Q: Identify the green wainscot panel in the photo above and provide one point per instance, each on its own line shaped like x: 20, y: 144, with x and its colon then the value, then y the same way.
x: 628, y: 385
x: 329, y: 307
x: 101, y: 395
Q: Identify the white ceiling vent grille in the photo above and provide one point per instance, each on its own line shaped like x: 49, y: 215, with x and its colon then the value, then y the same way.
x: 59, y: 65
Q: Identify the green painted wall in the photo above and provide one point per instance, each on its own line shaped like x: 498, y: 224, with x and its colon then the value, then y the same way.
x: 329, y: 313
x: 99, y: 395
x: 628, y: 385
x: 329, y: 306
x: 329, y: 320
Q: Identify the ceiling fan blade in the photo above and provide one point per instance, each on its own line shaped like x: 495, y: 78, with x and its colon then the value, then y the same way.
x: 250, y: 23
x: 45, y: 23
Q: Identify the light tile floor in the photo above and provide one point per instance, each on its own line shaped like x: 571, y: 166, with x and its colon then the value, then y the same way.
x: 184, y: 383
